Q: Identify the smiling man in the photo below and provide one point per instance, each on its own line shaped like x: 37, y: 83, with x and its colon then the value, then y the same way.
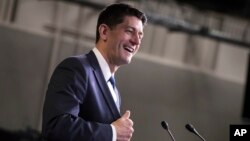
x: 82, y: 102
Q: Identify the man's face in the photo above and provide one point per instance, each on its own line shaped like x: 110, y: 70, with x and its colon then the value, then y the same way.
x: 124, y: 40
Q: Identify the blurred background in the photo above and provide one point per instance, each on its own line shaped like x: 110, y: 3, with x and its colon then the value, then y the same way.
x: 193, y: 65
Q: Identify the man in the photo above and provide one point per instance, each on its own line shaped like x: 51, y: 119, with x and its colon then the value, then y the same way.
x: 82, y: 102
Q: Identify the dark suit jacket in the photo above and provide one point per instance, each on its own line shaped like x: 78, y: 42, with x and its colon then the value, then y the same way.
x: 78, y: 104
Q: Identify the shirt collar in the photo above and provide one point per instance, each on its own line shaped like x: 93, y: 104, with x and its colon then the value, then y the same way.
x: 103, y: 64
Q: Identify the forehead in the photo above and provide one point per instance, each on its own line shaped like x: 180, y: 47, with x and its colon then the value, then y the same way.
x: 133, y: 22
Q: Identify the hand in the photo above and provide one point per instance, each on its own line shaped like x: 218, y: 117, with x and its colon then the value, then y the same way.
x: 124, y: 127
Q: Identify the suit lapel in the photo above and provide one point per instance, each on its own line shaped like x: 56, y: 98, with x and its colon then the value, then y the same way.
x: 103, y: 84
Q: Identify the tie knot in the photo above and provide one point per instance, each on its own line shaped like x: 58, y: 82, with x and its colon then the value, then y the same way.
x: 112, y: 81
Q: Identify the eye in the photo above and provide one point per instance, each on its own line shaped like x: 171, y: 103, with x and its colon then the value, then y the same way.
x: 140, y: 35
x: 129, y: 31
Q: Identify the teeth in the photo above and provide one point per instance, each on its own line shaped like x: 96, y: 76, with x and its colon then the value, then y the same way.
x: 130, y: 49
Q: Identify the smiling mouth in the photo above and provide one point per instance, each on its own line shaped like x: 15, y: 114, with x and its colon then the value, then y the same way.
x: 129, y: 49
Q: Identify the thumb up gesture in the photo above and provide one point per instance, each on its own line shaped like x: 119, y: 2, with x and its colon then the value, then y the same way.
x: 124, y: 127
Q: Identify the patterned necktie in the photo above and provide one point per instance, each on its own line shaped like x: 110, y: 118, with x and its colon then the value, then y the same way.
x: 112, y: 81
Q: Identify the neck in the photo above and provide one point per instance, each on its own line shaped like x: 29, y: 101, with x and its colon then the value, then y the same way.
x: 113, y: 68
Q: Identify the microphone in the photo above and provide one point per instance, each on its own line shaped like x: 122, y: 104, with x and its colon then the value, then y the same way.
x: 164, y: 125
x: 191, y: 128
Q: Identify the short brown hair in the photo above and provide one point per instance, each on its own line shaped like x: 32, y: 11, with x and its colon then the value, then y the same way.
x: 114, y: 14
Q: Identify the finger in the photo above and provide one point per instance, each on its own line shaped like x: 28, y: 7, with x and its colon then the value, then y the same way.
x: 126, y: 115
x: 131, y: 123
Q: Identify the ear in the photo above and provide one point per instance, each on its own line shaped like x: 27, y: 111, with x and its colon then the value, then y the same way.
x: 103, y: 31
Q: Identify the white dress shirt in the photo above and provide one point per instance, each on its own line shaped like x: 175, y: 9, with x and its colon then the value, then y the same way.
x: 107, y: 74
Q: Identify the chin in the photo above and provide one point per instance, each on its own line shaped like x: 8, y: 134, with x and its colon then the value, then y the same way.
x: 127, y: 61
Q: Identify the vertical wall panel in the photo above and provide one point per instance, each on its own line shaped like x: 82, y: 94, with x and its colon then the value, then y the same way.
x: 24, y: 60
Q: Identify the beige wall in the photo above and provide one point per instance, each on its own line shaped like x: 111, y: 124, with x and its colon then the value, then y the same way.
x: 219, y: 59
x: 175, y: 77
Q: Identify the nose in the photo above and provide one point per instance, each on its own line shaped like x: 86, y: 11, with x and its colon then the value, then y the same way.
x: 136, y: 40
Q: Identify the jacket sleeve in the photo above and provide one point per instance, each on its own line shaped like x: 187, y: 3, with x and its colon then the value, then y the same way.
x: 65, y: 93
